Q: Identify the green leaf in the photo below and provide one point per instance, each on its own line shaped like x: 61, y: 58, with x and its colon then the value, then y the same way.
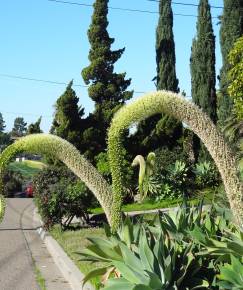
x: 104, y: 248
x: 142, y: 287
x: 118, y: 284
x: 126, y: 233
x: 94, y: 273
x: 232, y: 273
x: 130, y: 259
x: 200, y: 284
x: 128, y: 273
x: 145, y: 253
x: 155, y: 282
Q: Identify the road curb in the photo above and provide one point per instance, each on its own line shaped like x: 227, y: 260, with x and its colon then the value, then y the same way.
x: 67, y: 267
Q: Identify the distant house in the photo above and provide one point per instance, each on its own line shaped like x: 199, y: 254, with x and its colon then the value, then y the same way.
x: 19, y: 159
x: 25, y: 156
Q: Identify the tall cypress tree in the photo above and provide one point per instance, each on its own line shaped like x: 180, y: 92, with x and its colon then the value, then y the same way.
x: 203, y: 76
x: 161, y: 130
x: 165, y: 49
x: 68, y: 123
x: 231, y: 30
x: 2, y: 123
x: 107, y: 88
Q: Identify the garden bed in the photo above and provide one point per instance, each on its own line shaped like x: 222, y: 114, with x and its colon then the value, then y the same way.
x: 75, y: 240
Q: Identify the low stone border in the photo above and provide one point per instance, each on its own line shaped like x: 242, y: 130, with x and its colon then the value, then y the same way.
x: 67, y: 267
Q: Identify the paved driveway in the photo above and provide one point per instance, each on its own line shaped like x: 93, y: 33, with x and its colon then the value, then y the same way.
x: 16, y: 266
x: 20, y: 244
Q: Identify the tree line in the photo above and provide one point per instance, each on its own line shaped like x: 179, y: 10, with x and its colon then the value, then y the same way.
x: 109, y: 90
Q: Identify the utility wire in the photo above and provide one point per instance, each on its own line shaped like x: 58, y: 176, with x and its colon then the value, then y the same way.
x: 192, y: 4
x: 26, y: 114
x: 121, y: 9
x: 110, y: 7
x: 38, y: 80
x: 47, y: 81
x: 187, y: 4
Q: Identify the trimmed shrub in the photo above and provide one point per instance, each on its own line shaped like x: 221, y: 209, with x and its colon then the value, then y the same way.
x: 12, y: 182
x: 60, y: 196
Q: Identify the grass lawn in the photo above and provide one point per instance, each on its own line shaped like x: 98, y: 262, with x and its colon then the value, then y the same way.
x: 143, y: 206
x: 27, y: 168
x: 73, y: 241
x: 148, y: 205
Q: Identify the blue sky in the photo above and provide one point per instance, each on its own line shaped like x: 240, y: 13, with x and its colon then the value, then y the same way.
x: 45, y: 40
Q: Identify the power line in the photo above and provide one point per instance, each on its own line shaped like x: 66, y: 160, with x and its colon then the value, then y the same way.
x: 48, y: 81
x: 192, y: 4
x: 38, y: 80
x: 121, y: 9
x: 188, y: 4
x: 26, y: 114
x: 110, y: 7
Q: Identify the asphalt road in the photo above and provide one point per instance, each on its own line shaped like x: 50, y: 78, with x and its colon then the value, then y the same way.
x: 16, y: 265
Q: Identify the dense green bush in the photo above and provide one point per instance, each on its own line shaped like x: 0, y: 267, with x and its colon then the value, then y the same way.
x: 12, y: 182
x: 60, y: 196
x: 180, y: 179
x: 188, y: 249
x: 166, y: 158
x: 102, y: 164
x: 173, y: 181
x: 206, y: 175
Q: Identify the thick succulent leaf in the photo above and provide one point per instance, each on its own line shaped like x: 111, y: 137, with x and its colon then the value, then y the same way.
x: 104, y: 254
x: 232, y: 273
x: 142, y: 287
x: 155, y: 282
x: 105, y: 248
x: 118, y: 284
x: 107, y: 230
x: 93, y: 254
x: 130, y: 258
x: 126, y: 234
x: 95, y: 273
x: 131, y: 274
x: 198, y: 235
x: 145, y: 253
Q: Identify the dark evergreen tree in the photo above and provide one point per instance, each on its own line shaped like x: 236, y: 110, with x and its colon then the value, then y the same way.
x: 2, y: 123
x: 203, y: 74
x: 19, y: 128
x: 107, y: 89
x: 5, y: 140
x: 162, y: 130
x: 68, y: 123
x: 231, y: 30
x: 165, y: 49
x: 4, y: 137
x: 34, y: 128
